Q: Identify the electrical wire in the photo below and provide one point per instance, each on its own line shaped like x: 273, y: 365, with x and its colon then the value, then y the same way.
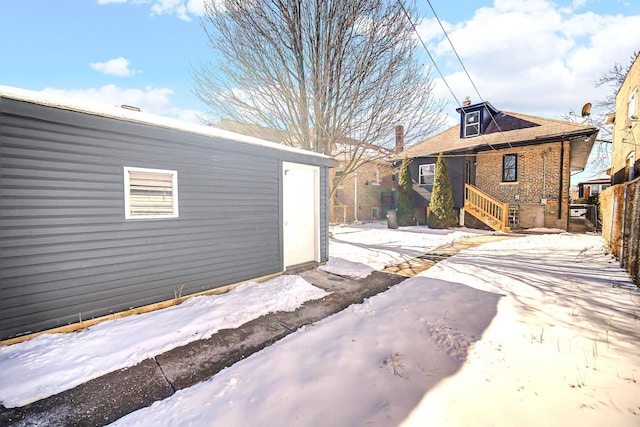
x: 461, y: 63
x: 433, y: 61
x: 424, y: 46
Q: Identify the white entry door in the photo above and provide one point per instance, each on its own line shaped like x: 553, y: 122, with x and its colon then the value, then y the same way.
x: 300, y: 213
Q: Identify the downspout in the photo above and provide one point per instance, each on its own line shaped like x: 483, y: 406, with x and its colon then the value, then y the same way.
x: 355, y: 197
x: 544, y: 175
x: 561, y: 179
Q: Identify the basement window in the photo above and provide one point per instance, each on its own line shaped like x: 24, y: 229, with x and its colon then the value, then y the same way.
x: 510, y: 168
x: 514, y: 217
x: 150, y: 193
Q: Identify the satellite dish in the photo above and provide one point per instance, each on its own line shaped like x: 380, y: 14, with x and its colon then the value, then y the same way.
x: 586, y: 110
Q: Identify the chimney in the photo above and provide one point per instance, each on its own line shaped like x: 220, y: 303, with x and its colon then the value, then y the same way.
x: 399, y: 138
x: 466, y: 102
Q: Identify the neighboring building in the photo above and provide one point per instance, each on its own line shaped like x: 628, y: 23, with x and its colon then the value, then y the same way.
x: 625, y: 151
x: 367, y: 193
x: 590, y: 189
x: 506, y: 169
x: 620, y: 204
x: 268, y: 134
x: 104, y: 209
x: 370, y: 188
x: 362, y: 195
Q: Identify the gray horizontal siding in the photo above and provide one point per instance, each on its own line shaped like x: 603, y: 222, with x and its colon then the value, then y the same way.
x: 66, y: 250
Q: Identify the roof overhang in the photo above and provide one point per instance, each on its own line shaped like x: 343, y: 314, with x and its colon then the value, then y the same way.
x: 581, y: 144
x: 581, y: 147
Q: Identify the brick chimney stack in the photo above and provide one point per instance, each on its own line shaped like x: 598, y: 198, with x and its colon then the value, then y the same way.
x: 399, y: 138
x: 466, y: 102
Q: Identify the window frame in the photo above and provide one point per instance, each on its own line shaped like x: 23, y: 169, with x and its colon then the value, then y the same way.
x: 128, y: 215
x: 630, y: 163
x: 475, y: 124
x: 506, y: 178
x: 339, y: 183
x: 421, y: 175
x: 632, y: 104
x: 377, y: 179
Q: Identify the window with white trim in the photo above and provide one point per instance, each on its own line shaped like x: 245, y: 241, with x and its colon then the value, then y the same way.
x: 150, y: 193
x: 633, y: 105
x: 472, y: 124
x: 426, y: 174
x: 376, y: 181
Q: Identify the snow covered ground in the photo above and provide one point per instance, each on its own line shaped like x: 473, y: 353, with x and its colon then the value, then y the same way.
x: 537, y: 330
x: 356, y: 251
x: 52, y: 363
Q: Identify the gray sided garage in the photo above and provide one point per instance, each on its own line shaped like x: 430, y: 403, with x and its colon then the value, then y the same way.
x: 104, y: 209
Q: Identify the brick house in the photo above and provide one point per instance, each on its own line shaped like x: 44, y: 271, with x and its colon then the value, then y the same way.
x: 369, y: 188
x: 507, y: 169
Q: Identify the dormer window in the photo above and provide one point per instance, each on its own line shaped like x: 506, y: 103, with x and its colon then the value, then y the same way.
x: 472, y: 124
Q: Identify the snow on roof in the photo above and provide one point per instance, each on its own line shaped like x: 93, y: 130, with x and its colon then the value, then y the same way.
x: 129, y: 115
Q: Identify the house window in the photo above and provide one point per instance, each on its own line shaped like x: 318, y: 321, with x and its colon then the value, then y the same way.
x: 338, y: 179
x: 472, y: 124
x: 426, y: 174
x: 631, y: 164
x: 510, y: 168
x: 376, y: 181
x: 633, y: 105
x: 150, y: 193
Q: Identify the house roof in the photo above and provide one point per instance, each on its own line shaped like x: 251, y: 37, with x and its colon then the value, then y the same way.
x: 343, y: 148
x: 268, y: 134
x: 126, y: 114
x: 511, y: 129
x: 603, y: 180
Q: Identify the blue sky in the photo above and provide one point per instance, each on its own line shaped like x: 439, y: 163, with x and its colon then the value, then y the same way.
x: 532, y: 56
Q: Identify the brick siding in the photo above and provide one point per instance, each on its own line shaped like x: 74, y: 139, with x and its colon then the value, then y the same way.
x: 538, y: 178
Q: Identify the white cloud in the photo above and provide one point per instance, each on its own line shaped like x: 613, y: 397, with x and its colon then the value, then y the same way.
x: 183, y: 9
x: 115, y: 67
x: 196, y: 7
x: 533, y: 56
x: 167, y: 7
x: 150, y: 99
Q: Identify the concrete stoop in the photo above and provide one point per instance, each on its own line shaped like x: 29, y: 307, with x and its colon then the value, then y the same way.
x: 105, y: 399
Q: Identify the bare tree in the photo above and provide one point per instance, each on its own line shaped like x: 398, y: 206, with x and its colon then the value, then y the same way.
x: 614, y: 78
x: 337, y: 75
x: 599, y: 160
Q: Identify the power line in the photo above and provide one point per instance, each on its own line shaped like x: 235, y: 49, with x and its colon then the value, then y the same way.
x: 433, y: 61
x: 424, y: 46
x: 454, y: 49
x: 460, y: 61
